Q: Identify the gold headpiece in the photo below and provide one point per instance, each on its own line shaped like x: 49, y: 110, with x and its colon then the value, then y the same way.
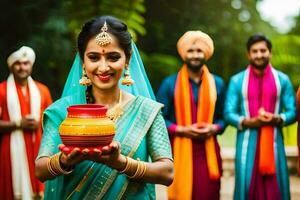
x: 103, y: 38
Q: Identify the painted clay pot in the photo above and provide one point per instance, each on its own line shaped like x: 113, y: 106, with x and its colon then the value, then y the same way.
x: 87, y: 126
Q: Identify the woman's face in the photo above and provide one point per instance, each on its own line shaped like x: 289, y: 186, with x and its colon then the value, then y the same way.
x: 104, y: 65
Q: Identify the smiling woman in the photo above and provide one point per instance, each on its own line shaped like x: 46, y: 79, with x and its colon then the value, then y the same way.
x: 123, y: 168
x: 104, y: 65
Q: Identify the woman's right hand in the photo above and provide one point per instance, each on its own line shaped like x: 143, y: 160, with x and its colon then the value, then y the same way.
x: 109, y: 155
x: 76, y: 156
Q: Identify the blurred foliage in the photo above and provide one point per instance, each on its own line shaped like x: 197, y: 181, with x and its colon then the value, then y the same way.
x: 286, y: 56
x: 51, y: 28
x: 128, y: 11
x: 228, y: 22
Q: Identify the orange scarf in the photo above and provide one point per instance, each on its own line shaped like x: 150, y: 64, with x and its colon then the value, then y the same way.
x: 182, y: 149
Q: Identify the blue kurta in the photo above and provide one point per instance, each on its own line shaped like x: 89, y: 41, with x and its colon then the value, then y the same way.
x: 236, y: 109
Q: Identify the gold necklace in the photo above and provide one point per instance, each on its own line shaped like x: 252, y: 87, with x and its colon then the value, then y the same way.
x: 115, y: 112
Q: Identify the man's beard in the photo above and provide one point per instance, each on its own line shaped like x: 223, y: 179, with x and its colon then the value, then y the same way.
x: 260, y: 66
x: 195, y: 67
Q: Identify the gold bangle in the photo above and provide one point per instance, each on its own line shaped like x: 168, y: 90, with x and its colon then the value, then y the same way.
x: 54, y: 166
x: 144, y: 170
x: 140, y: 170
x: 52, y: 172
x: 127, y: 166
x: 136, y: 173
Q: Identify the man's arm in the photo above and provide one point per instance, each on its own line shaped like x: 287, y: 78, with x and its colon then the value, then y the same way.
x: 219, y: 121
x: 165, y: 95
x: 288, y: 102
x: 232, y: 102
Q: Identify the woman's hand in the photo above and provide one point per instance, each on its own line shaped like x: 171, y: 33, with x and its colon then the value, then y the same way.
x: 109, y: 155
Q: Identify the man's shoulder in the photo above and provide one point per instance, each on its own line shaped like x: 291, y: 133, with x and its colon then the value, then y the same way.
x: 41, y: 86
x: 281, y: 74
x: 238, y: 75
x: 3, y: 87
x: 3, y: 83
x: 171, y: 77
x: 218, y: 78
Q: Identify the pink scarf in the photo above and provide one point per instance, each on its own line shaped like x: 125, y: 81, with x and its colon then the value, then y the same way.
x: 262, y: 92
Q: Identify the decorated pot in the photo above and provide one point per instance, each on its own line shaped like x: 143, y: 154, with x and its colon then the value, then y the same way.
x: 87, y: 126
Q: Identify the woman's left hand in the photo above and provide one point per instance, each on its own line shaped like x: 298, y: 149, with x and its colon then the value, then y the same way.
x: 109, y: 155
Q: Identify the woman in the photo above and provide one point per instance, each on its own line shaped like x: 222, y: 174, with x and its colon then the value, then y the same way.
x: 114, y: 172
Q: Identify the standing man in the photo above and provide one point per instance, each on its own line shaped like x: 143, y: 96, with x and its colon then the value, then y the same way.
x: 193, y: 112
x: 260, y: 100
x: 22, y: 102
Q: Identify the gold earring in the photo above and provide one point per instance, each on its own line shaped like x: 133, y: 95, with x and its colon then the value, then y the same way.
x: 127, y: 80
x: 85, y: 81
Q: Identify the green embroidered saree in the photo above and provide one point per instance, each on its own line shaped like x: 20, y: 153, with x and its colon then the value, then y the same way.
x: 142, y: 134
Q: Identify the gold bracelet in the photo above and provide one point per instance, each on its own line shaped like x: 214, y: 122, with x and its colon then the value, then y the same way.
x: 127, y: 166
x: 140, y: 170
x: 144, y: 169
x: 54, y: 166
x: 52, y: 172
x: 136, y: 172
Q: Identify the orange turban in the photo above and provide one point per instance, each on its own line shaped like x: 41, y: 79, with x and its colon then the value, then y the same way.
x: 199, y: 38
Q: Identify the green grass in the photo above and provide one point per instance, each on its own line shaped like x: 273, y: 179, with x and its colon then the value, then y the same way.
x: 228, y: 138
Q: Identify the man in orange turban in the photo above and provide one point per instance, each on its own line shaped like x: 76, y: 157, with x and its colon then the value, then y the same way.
x: 193, y: 100
x: 22, y: 102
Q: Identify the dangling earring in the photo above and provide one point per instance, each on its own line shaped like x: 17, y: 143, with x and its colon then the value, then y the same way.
x: 127, y: 80
x: 85, y: 81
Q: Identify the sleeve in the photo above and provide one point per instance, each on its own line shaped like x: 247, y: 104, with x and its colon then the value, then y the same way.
x: 298, y: 128
x: 288, y: 102
x: 165, y: 96
x: 2, y: 98
x: 218, y: 117
x: 1, y: 104
x: 232, y: 102
x: 47, y: 96
x: 298, y: 104
x: 158, y: 142
x: 50, y: 138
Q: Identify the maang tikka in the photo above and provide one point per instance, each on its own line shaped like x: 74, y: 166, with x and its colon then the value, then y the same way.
x: 127, y: 80
x: 103, y: 38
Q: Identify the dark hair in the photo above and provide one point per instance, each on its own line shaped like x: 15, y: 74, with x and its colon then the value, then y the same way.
x: 115, y: 27
x: 258, y: 38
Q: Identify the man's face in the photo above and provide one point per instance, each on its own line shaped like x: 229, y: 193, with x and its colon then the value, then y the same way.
x: 194, y: 58
x: 21, y: 69
x: 259, y: 55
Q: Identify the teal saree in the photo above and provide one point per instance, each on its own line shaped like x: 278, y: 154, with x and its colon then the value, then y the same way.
x: 142, y: 134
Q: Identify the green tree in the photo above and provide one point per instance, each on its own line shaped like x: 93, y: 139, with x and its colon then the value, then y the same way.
x: 51, y: 28
x: 286, y: 56
x: 228, y: 22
